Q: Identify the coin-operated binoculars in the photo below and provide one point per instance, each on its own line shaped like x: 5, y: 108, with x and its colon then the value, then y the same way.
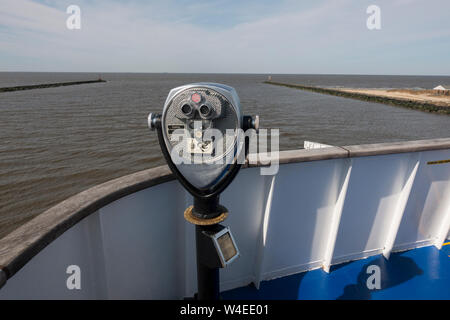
x: 200, y: 132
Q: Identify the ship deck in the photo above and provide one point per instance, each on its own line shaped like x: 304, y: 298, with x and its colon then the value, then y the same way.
x: 422, y: 273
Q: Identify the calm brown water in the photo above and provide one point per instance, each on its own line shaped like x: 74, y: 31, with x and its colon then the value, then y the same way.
x: 57, y: 142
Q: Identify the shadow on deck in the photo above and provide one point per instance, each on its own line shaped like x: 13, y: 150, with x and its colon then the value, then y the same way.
x: 422, y: 273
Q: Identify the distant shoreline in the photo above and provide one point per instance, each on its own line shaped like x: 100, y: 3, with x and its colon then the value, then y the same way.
x: 49, y: 85
x: 397, y: 97
x: 265, y: 74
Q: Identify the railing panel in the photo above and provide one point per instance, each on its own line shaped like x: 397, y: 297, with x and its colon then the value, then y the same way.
x: 428, y: 204
x: 45, y: 276
x: 304, y: 199
x: 373, y: 193
x: 143, y: 242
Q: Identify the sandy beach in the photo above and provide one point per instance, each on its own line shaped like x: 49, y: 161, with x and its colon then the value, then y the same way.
x: 426, y: 96
x: 423, y: 100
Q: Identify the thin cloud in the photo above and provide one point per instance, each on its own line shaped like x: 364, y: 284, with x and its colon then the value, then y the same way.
x: 326, y: 37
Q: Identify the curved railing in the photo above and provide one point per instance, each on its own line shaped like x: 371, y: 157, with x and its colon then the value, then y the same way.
x: 18, y: 247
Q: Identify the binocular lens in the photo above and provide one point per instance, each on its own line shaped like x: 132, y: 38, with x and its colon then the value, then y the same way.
x: 186, y: 109
x: 205, y: 110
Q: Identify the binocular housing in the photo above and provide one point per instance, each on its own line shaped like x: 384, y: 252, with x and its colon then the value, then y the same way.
x: 200, y: 133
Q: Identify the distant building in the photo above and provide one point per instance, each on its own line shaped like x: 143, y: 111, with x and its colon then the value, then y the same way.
x: 441, y: 87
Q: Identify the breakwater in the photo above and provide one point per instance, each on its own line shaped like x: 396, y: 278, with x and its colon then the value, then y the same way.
x: 353, y: 94
x: 49, y: 85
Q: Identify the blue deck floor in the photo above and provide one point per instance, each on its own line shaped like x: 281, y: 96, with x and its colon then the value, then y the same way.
x: 422, y: 273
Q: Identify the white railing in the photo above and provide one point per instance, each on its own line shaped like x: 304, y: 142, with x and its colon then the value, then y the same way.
x: 324, y: 206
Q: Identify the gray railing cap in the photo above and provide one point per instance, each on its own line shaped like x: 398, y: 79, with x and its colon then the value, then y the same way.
x: 304, y: 155
x: 397, y: 147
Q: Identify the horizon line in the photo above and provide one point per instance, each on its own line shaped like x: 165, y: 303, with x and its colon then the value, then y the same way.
x: 236, y: 73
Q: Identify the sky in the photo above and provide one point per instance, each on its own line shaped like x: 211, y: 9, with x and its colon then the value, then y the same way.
x: 236, y: 36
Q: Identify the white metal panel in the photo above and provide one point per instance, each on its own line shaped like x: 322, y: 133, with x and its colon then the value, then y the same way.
x: 372, y: 196
x: 428, y: 204
x: 399, y: 210
x: 441, y: 232
x: 263, y: 235
x: 143, y: 244
x: 335, y: 220
x: 45, y: 277
x: 303, y: 202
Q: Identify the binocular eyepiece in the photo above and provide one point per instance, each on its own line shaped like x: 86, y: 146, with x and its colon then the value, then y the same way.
x: 203, y: 110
